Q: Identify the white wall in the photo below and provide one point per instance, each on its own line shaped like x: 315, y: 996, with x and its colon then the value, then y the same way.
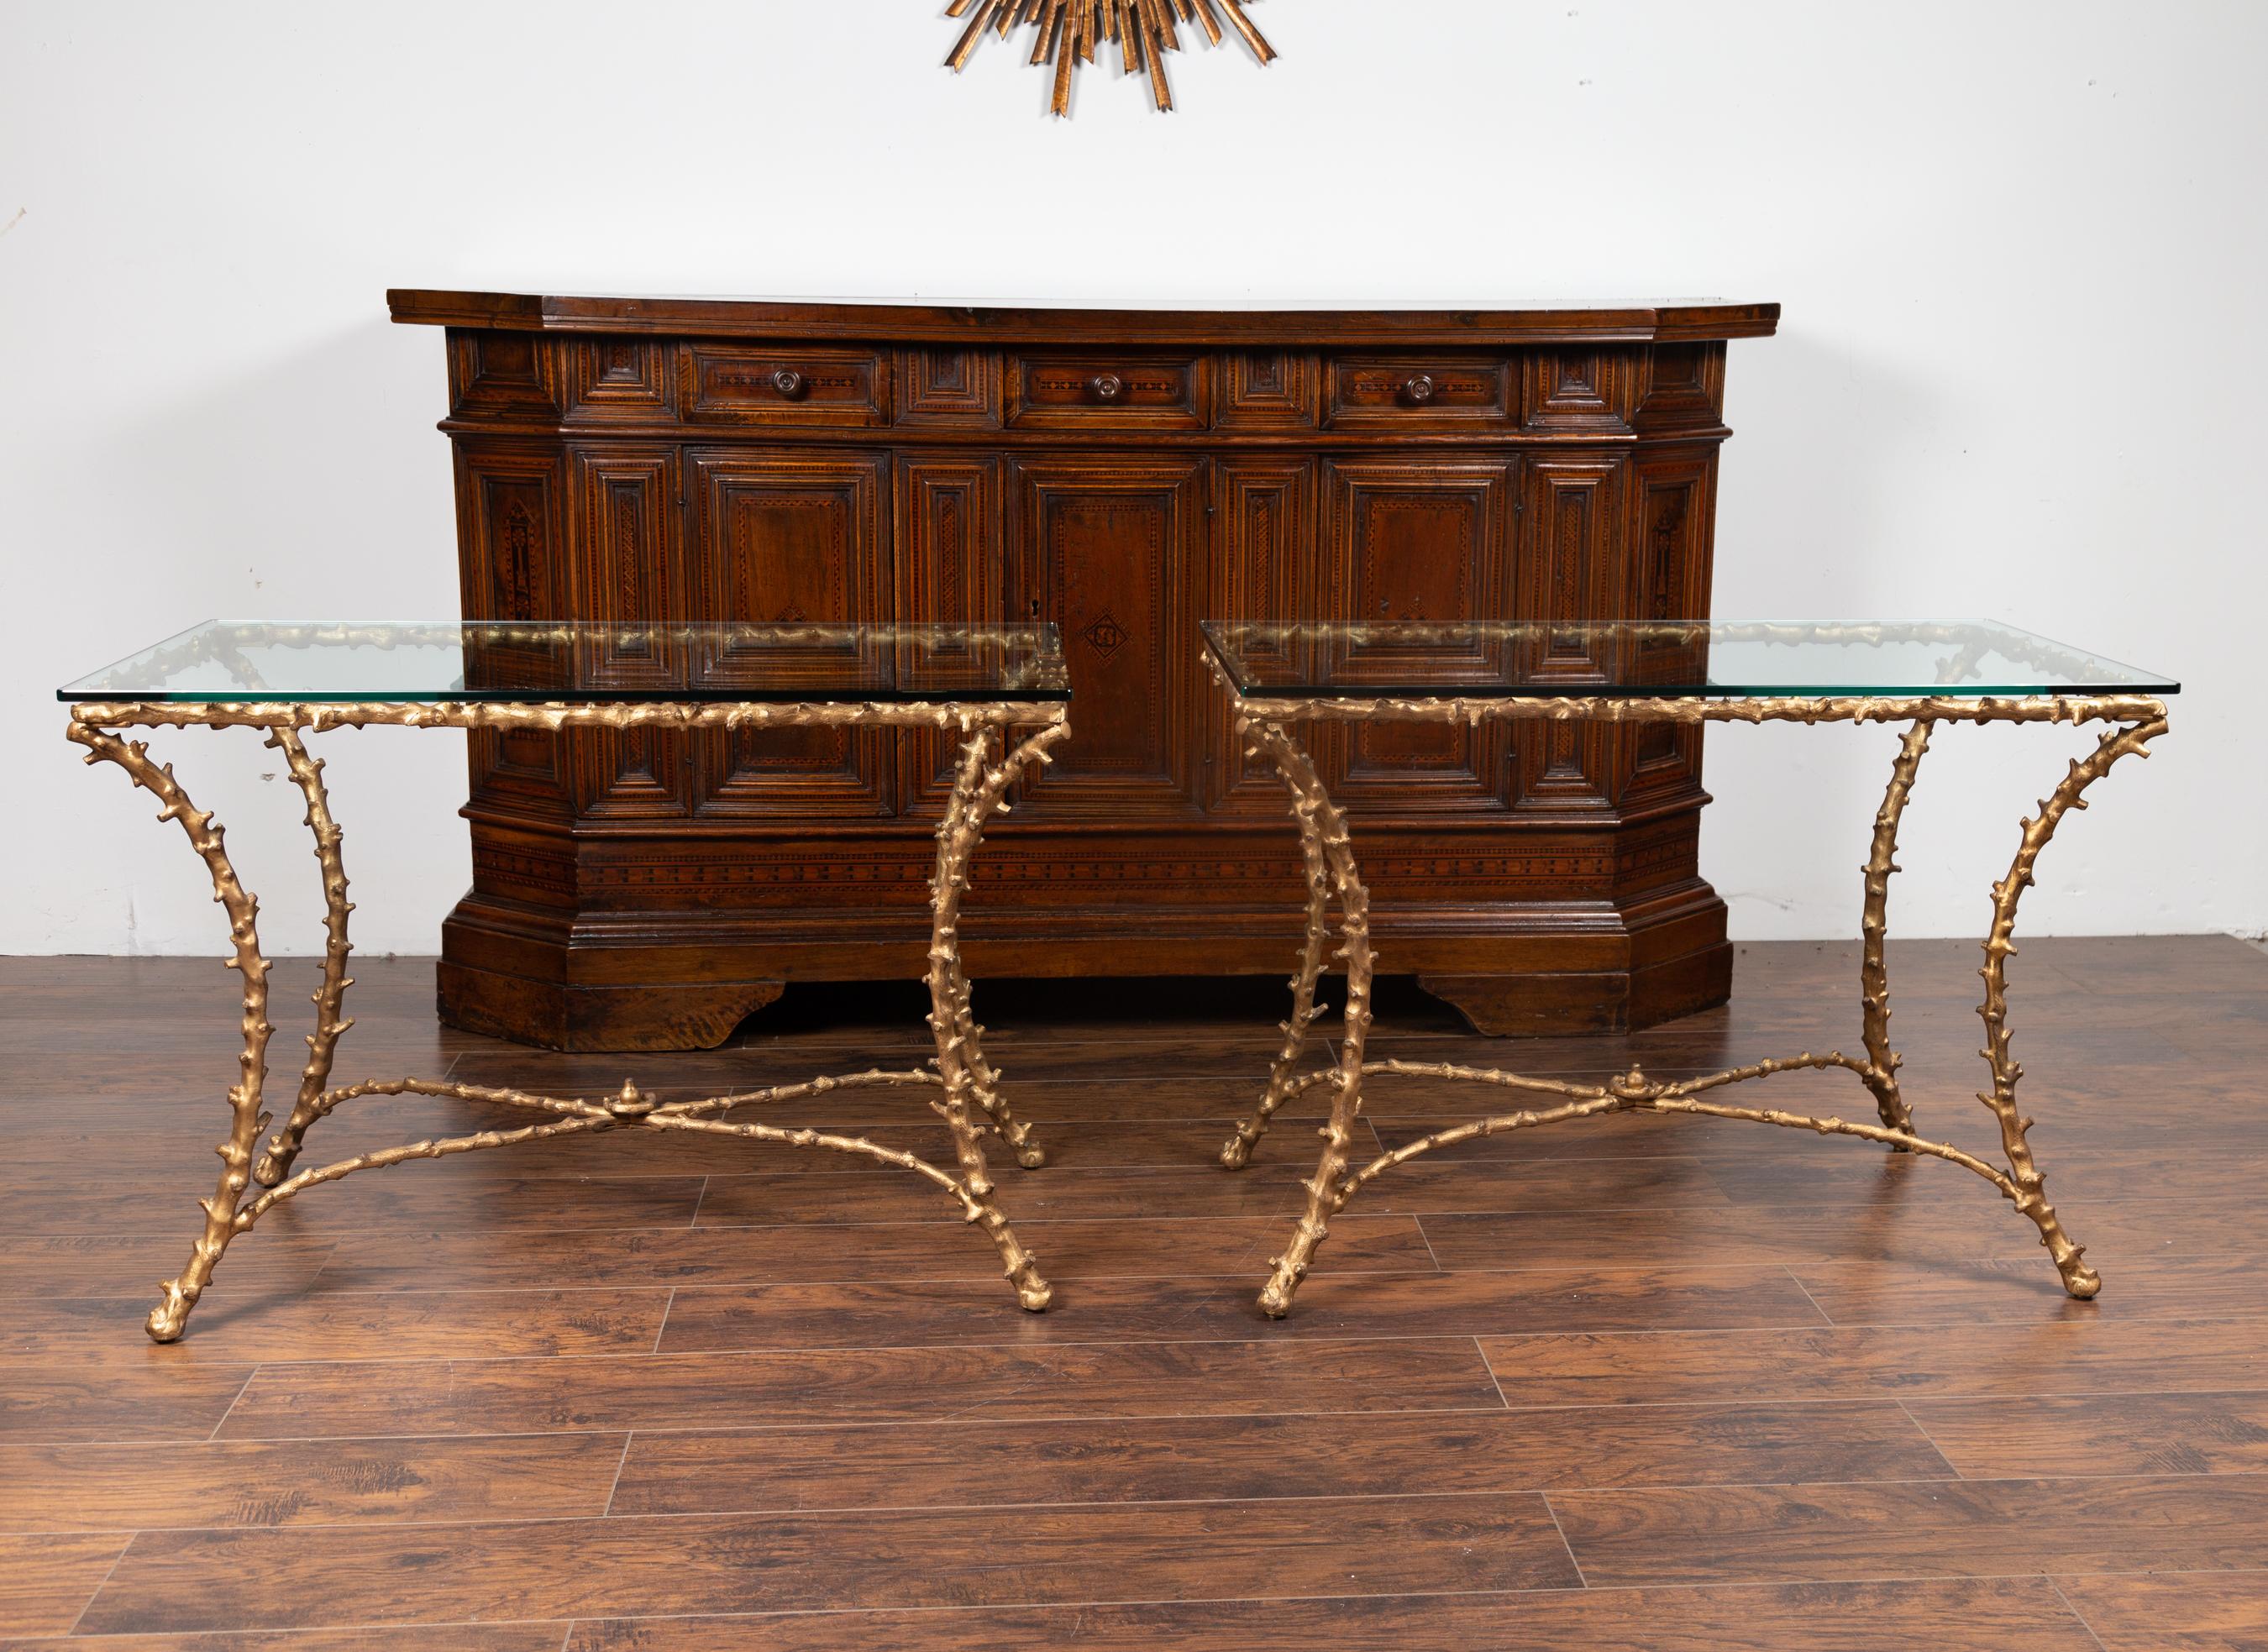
x: 2021, y: 372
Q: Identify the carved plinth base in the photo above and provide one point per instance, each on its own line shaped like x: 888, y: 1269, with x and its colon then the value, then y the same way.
x: 560, y: 1015
x: 1608, y: 1000
x: 682, y: 979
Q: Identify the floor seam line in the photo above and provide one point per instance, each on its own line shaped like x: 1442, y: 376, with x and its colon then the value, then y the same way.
x: 606, y: 1508
x: 785, y: 1614
x: 1073, y: 1413
x: 1495, y: 1381
x: 782, y: 1614
x: 1417, y: 1221
x: 1922, y: 1430
x: 803, y: 1511
x: 109, y: 1571
x: 1545, y: 1499
x: 233, y: 1398
x: 1796, y: 1280
x: 2049, y: 1579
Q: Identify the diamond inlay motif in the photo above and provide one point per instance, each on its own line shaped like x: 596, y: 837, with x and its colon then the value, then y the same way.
x: 1104, y: 635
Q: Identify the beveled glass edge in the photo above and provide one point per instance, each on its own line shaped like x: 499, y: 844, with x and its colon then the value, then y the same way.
x: 2145, y: 683
x: 1056, y: 690
x: 84, y: 688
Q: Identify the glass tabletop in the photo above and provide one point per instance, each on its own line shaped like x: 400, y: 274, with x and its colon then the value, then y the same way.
x: 541, y: 661
x: 1681, y: 658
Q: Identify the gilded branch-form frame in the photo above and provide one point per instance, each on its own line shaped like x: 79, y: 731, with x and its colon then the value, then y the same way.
x: 1265, y: 722
x: 970, y: 1101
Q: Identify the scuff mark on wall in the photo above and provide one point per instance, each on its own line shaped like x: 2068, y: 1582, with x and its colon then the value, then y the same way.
x: 13, y: 222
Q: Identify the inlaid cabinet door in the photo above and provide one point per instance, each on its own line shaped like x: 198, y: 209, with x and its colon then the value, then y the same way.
x: 513, y: 565
x: 1570, y: 567
x: 1672, y: 505
x: 949, y: 569
x: 1420, y: 538
x: 1263, y: 568
x: 627, y: 568
x: 780, y: 537
x: 1110, y: 548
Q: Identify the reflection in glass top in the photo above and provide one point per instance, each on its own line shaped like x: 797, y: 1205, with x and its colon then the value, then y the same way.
x: 544, y: 660
x: 1755, y: 660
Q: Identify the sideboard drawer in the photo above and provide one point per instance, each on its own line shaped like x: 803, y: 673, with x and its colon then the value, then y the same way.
x: 1405, y: 391
x: 724, y: 385
x: 1155, y: 393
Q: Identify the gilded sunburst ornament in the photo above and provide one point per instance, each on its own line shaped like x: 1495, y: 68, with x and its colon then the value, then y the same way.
x: 1071, y: 31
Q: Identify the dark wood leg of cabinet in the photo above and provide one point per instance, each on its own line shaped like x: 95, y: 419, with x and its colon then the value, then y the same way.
x: 561, y: 1015
x: 1603, y: 1001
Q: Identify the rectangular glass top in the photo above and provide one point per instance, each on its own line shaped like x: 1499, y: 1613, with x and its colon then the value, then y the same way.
x: 538, y: 661
x: 1665, y: 659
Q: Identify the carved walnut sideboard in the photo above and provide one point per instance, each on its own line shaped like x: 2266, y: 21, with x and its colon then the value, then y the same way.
x: 1124, y: 474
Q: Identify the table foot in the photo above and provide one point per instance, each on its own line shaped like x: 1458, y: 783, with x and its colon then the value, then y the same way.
x: 1292, y: 1267
x: 171, y: 1317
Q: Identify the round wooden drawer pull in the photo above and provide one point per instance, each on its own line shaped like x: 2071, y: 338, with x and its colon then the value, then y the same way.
x: 788, y: 382
x: 1106, y: 386
x: 1418, y: 390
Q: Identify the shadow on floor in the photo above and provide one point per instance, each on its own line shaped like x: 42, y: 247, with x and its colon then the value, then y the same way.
x: 1239, y: 1001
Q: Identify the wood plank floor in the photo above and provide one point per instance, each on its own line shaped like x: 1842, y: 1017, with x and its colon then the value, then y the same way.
x: 1645, y: 1384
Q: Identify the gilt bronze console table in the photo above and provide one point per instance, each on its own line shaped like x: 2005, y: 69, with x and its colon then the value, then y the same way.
x: 974, y: 684
x: 1661, y: 674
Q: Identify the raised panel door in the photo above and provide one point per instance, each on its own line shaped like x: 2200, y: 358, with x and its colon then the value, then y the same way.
x: 625, y: 568
x: 1668, y: 579
x: 513, y: 565
x: 1420, y: 538
x: 1263, y: 568
x: 783, y: 538
x: 1570, y: 567
x: 949, y: 568
x: 1109, y: 548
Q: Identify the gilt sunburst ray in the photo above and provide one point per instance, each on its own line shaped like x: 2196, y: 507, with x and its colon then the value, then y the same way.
x: 1071, y: 31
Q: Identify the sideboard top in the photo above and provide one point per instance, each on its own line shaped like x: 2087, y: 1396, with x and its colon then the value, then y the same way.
x: 939, y: 323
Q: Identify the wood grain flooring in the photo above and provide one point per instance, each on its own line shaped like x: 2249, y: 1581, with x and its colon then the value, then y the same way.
x: 1639, y: 1385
